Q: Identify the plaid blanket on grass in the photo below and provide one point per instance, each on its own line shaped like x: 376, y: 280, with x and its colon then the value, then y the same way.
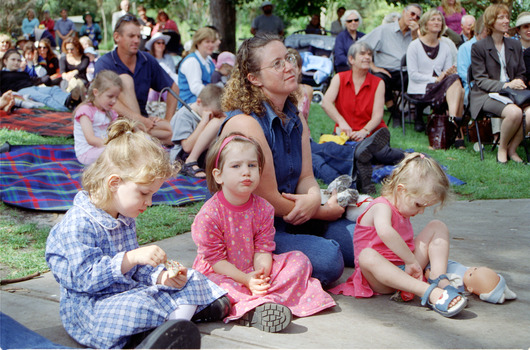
x: 39, y: 121
x: 47, y: 177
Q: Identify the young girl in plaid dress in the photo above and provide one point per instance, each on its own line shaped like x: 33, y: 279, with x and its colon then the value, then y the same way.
x: 111, y: 288
x: 234, y: 232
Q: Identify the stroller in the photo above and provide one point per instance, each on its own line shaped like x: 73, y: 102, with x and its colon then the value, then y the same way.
x: 317, y: 56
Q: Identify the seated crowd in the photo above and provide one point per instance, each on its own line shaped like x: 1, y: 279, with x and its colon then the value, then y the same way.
x: 267, y: 244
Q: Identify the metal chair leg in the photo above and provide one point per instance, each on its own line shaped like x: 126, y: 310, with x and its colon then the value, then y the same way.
x: 479, y: 142
x: 525, y: 143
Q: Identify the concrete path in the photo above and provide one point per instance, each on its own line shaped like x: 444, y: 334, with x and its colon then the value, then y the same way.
x: 491, y: 233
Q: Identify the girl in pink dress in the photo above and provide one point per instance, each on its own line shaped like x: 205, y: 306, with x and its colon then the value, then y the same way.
x: 234, y: 233
x: 388, y: 257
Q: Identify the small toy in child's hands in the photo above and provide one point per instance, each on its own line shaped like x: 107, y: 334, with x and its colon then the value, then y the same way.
x: 173, y: 268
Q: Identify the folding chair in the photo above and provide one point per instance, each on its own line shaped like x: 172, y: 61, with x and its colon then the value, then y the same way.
x: 418, y: 106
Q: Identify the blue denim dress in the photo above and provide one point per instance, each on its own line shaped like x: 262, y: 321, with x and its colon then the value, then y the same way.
x: 329, y: 245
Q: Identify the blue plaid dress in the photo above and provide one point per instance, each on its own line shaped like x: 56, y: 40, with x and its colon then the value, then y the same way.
x: 101, y: 307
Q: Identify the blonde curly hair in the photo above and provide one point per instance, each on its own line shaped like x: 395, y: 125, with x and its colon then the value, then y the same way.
x: 133, y: 155
x: 240, y: 93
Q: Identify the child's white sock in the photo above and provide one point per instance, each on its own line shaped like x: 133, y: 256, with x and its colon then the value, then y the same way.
x: 183, y: 312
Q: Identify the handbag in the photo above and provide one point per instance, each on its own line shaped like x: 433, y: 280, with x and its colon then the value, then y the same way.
x: 441, y: 130
x: 519, y: 97
x: 484, y: 129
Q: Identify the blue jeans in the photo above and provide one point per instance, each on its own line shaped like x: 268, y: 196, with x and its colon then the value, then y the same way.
x: 331, y: 160
x: 51, y: 96
x: 328, y: 245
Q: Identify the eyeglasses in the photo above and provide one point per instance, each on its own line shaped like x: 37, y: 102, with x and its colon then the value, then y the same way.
x: 352, y: 20
x: 43, y: 47
x: 279, y: 65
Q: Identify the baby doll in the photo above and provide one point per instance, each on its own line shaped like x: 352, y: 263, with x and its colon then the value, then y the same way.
x: 482, y: 281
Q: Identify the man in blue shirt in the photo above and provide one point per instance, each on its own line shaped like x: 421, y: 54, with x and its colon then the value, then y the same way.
x: 63, y: 28
x: 139, y: 71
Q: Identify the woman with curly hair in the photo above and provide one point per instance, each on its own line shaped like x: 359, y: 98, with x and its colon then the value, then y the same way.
x: 260, y: 98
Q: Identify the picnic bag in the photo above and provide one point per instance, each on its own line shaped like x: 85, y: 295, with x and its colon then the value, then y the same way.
x: 442, y: 131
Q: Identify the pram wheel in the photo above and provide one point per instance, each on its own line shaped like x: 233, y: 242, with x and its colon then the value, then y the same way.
x: 318, y: 96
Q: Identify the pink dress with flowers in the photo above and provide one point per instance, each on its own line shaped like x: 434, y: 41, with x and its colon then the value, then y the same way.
x: 367, y: 237
x: 223, y: 231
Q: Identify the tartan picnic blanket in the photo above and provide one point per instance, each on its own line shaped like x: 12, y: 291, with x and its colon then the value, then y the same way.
x: 47, y: 177
x: 39, y: 121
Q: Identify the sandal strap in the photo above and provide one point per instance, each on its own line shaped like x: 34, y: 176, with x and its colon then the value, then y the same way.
x: 437, y: 280
x: 425, y: 297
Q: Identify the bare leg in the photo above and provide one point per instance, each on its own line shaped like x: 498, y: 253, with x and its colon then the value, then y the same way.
x: 455, y: 99
x: 511, y: 132
x: 205, y: 140
x: 432, y: 245
x: 384, y: 277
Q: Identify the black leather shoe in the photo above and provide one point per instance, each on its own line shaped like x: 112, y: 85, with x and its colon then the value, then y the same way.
x: 216, y: 311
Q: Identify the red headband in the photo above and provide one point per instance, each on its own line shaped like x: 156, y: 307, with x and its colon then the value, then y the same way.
x: 224, y: 143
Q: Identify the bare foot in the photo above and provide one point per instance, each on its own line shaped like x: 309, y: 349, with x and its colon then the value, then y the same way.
x: 437, y: 293
x: 7, y: 101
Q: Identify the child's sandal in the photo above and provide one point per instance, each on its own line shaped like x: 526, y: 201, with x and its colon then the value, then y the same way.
x: 441, y: 306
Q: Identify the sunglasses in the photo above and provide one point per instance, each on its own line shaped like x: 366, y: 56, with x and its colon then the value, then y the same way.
x: 414, y: 15
x: 42, y: 47
x: 69, y: 49
x: 160, y: 42
x: 124, y: 19
x: 352, y: 20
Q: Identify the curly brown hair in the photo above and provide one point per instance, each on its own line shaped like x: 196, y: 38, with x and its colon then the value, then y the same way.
x: 240, y: 93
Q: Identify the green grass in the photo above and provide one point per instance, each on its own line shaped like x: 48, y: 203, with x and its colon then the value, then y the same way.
x: 484, y: 179
x: 22, y: 244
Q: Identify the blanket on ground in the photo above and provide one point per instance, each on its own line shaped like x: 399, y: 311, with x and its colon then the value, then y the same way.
x: 39, y: 121
x: 47, y: 177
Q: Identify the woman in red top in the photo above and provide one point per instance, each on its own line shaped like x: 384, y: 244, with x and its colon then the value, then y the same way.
x: 355, y: 101
x: 164, y: 24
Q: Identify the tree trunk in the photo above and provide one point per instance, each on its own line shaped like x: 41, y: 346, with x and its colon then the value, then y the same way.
x: 223, y: 14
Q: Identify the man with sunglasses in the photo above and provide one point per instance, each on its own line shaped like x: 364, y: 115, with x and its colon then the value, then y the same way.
x: 390, y: 42
x: 139, y: 71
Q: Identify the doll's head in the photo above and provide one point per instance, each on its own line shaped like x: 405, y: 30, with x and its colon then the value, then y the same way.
x: 487, y: 284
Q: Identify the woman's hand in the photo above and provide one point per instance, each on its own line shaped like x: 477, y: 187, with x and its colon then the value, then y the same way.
x: 345, y: 128
x: 516, y: 84
x: 305, y: 206
x: 258, y: 284
x: 332, y: 208
x: 176, y: 282
x: 360, y: 135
